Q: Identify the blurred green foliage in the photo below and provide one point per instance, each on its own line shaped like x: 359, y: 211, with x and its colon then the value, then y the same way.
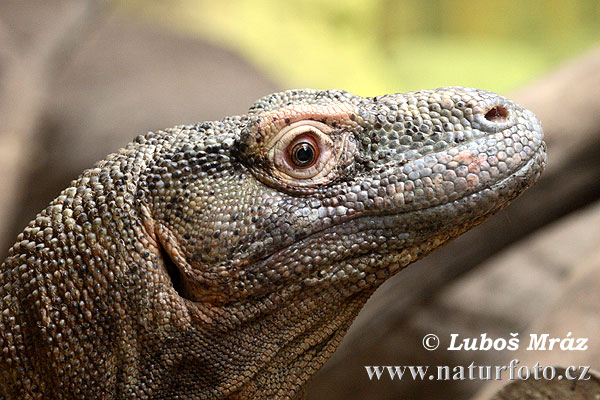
x: 374, y: 46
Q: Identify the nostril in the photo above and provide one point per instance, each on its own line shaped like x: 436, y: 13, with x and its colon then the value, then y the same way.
x: 497, y: 114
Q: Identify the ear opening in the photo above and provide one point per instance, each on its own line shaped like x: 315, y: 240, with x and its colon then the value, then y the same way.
x: 173, y: 272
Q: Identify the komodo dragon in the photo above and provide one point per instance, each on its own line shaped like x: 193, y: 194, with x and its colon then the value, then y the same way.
x: 226, y: 259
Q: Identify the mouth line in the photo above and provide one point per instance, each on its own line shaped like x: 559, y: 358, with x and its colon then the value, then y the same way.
x: 538, y: 154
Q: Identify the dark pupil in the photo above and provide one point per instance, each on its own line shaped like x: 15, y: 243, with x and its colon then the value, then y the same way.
x: 303, y: 154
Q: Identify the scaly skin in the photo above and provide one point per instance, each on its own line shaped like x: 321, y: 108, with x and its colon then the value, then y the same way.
x: 227, y: 259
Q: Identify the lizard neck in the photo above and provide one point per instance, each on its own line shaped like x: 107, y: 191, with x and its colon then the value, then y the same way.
x: 266, y: 349
x: 314, y: 329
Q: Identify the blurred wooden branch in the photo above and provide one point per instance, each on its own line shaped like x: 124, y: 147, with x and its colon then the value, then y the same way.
x: 28, y: 67
x: 555, y: 389
x: 576, y: 311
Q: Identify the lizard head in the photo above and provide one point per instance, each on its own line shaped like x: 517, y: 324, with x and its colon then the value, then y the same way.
x: 278, y: 225
x: 325, y: 190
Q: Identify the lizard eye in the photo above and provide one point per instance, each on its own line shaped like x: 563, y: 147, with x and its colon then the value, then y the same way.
x: 304, y: 152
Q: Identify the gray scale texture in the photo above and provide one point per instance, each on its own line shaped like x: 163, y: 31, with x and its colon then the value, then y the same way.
x: 192, y: 264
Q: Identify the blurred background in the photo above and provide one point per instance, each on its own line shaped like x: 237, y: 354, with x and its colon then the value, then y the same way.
x: 371, y: 47
x: 79, y: 79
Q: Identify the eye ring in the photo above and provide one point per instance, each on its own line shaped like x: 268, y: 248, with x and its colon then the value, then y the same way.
x: 319, y: 153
